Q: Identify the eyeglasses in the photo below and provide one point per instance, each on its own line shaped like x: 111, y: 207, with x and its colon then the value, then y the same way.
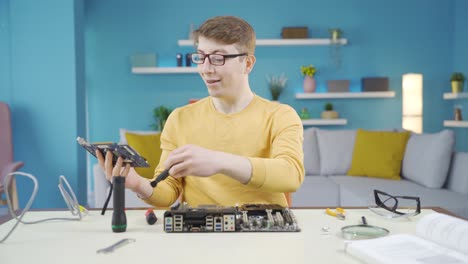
x: 215, y: 59
x: 392, y: 206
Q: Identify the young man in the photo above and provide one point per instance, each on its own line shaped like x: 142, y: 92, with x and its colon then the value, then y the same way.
x: 232, y: 147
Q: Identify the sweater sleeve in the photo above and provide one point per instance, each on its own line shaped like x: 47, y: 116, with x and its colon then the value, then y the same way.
x: 283, y: 171
x: 167, y: 191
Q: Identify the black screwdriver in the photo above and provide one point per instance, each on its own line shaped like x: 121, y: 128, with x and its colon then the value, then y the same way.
x: 161, y: 177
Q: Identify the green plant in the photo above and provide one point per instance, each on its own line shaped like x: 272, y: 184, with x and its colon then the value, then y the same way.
x: 457, y: 76
x: 335, y: 33
x: 276, y: 85
x: 309, y: 70
x: 160, y: 115
x: 328, y: 107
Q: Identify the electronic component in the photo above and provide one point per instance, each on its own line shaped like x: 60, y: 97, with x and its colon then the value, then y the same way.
x: 247, y: 218
x: 151, y: 218
x: 129, y: 155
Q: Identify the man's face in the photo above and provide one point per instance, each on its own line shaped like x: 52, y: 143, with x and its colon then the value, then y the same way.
x: 222, y: 81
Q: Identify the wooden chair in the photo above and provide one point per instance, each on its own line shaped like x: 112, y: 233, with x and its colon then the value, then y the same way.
x: 6, y: 157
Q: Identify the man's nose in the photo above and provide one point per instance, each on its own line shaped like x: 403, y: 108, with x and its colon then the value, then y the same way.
x: 207, y: 66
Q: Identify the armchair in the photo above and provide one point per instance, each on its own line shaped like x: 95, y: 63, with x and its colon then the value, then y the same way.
x: 7, y: 165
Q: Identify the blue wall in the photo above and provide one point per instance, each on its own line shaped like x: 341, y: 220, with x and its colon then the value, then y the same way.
x: 460, y: 64
x: 5, y: 75
x: 47, y: 98
x: 386, y: 39
x: 53, y: 78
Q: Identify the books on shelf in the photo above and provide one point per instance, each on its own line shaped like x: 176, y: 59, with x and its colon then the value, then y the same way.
x: 439, y: 238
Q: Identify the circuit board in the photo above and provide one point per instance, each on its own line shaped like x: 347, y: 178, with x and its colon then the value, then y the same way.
x: 129, y: 154
x: 246, y: 218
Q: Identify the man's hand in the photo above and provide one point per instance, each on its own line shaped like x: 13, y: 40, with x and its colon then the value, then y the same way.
x: 197, y: 161
x: 192, y: 160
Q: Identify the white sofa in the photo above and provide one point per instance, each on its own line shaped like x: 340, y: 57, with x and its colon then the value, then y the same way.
x: 430, y: 170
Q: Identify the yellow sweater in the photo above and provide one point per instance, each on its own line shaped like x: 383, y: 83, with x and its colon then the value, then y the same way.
x: 269, y: 134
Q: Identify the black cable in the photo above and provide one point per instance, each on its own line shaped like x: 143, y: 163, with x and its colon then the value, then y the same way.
x: 107, y: 200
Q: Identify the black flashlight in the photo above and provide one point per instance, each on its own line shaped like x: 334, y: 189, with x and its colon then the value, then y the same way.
x: 119, y: 219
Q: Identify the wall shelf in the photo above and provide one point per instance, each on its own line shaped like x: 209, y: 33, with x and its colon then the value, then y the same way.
x: 282, y: 42
x: 324, y: 122
x: 454, y: 123
x: 387, y: 94
x: 451, y: 96
x: 163, y: 70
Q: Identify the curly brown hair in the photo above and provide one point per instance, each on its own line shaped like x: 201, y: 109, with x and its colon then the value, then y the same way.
x: 228, y: 30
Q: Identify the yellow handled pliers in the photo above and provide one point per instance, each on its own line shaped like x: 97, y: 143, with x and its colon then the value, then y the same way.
x: 338, y: 213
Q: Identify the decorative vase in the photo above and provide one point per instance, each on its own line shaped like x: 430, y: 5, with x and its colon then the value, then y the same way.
x: 309, y: 84
x: 458, y: 114
x: 457, y: 86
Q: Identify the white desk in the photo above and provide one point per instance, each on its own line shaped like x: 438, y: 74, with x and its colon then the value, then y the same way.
x: 77, y: 241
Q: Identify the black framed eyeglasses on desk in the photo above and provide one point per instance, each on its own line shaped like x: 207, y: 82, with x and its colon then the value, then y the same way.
x: 392, y: 206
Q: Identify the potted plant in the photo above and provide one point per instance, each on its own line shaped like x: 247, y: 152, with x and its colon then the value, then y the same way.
x: 329, y: 113
x: 335, y: 51
x: 335, y: 34
x: 276, y: 85
x: 309, y: 72
x: 160, y: 115
x: 457, y: 80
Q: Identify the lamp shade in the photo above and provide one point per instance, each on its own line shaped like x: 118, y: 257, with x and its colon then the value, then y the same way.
x: 412, y: 102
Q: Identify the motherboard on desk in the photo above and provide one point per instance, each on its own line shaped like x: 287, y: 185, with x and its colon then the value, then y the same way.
x: 245, y: 218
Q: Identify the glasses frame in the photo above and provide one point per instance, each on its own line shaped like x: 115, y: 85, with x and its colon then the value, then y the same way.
x: 225, y: 56
x: 394, y: 208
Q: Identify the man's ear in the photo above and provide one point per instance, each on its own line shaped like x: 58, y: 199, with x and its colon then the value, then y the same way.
x: 249, y: 63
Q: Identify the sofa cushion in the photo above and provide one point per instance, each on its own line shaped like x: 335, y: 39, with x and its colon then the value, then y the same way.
x: 316, y: 191
x: 427, y: 158
x: 123, y: 131
x: 357, y: 191
x: 336, y: 150
x: 311, y: 152
x: 147, y: 146
x: 378, y: 154
x: 458, y: 176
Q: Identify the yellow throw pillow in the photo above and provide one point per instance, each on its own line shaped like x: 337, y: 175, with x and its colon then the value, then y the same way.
x: 378, y: 154
x: 149, y: 147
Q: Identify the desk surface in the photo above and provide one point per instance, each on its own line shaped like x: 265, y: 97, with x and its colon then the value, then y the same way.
x: 77, y: 241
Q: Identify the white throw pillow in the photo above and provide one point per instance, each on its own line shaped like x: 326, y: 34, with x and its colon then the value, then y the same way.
x: 457, y: 179
x: 336, y: 150
x: 311, y: 152
x: 427, y: 158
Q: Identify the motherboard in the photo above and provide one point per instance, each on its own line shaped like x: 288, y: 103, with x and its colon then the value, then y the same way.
x: 245, y: 218
x: 128, y: 154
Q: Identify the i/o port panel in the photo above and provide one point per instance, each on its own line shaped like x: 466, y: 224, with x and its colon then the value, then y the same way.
x: 246, y: 218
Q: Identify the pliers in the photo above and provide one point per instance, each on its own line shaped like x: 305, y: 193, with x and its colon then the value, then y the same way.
x: 338, y: 213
